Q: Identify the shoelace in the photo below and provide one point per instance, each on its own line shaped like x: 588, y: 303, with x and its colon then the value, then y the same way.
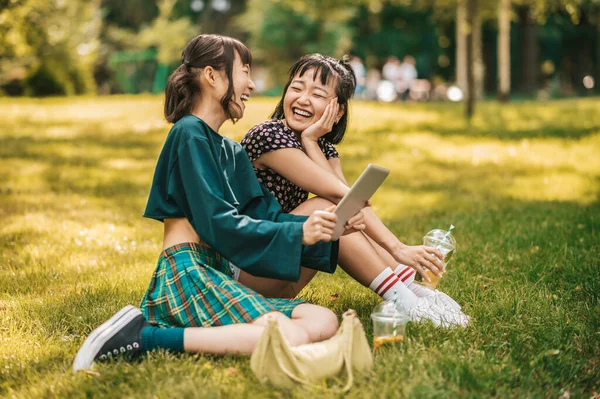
x: 121, y: 350
x: 426, y: 310
x: 445, y: 301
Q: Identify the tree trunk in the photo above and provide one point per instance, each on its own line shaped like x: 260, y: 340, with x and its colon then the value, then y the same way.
x: 503, y: 50
x: 471, y: 17
x: 207, y: 22
x: 461, y: 46
x: 478, y: 64
x: 598, y: 49
x: 529, y: 51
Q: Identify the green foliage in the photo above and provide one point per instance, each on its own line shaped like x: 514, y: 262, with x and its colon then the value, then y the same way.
x: 54, y: 42
x: 399, y: 31
x: 65, y: 45
x: 168, y: 36
x: 282, y: 32
x: 521, y: 184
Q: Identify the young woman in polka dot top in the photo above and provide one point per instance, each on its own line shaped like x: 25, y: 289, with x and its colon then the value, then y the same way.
x: 294, y: 154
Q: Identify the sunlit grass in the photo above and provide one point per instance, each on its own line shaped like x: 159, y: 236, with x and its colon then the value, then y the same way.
x: 521, y: 183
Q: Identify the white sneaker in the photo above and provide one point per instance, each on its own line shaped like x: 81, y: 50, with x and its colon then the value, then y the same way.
x: 440, y: 316
x: 441, y: 299
x: 445, y: 301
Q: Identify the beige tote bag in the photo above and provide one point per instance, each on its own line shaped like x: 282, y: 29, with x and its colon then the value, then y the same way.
x: 273, y: 360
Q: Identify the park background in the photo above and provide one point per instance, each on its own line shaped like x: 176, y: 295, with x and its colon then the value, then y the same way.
x: 514, y: 166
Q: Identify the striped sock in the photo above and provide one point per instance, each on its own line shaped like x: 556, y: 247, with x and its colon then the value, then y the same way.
x: 387, y: 285
x: 405, y: 273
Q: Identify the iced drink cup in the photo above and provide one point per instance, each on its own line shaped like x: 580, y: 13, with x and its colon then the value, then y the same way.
x: 446, y: 244
x: 389, y: 324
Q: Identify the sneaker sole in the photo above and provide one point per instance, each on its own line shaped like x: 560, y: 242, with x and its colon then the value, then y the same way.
x: 94, y: 342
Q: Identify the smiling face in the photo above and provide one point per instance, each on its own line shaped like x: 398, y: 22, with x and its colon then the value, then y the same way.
x: 306, y: 99
x: 243, y: 86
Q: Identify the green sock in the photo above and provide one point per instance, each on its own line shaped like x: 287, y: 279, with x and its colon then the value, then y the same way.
x: 162, y: 338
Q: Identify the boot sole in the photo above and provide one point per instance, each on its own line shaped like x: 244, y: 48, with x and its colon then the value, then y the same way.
x: 96, y: 340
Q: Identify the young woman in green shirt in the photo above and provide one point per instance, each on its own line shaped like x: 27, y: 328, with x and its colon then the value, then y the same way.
x: 216, y: 214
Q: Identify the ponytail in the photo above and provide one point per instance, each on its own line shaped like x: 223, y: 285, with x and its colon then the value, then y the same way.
x: 181, y: 90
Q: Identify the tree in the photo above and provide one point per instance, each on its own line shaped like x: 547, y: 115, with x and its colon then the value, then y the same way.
x: 529, y: 48
x: 470, y: 97
x: 52, y: 43
x: 283, y: 31
x: 461, y: 45
x: 504, y: 8
x: 478, y: 64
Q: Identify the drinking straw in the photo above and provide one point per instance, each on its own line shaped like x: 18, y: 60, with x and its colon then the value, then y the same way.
x: 446, y: 236
x: 395, y: 325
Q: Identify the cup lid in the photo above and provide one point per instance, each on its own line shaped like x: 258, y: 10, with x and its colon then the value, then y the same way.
x: 387, y: 310
x: 439, y: 236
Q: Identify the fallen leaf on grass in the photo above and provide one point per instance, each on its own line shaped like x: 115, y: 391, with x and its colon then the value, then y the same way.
x: 333, y: 297
x: 231, y: 371
x: 92, y: 372
x: 565, y: 395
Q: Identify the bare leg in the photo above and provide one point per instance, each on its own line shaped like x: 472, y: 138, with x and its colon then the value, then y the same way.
x: 383, y: 254
x: 240, y: 338
x: 320, y: 323
x: 359, y: 259
x: 232, y: 339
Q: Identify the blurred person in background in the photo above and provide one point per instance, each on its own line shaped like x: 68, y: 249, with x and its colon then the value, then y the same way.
x: 361, y: 75
x: 391, y: 69
x: 371, y: 83
x: 407, y: 74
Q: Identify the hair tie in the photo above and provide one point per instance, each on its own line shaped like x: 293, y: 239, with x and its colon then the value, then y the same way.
x: 186, y: 63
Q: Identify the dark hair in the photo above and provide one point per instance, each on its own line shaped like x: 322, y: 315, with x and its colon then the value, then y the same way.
x: 184, y: 83
x: 327, y: 68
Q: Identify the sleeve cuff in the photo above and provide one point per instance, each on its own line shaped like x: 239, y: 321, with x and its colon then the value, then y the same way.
x: 322, y: 256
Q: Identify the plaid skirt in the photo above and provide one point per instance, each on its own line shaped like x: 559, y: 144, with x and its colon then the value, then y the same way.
x: 192, y: 286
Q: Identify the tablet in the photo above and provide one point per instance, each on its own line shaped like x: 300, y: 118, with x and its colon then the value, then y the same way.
x: 355, y: 199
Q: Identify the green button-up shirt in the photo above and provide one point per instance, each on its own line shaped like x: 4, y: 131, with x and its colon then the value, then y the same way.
x: 208, y: 179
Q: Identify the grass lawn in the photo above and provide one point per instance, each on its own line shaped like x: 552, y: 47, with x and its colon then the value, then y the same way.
x: 521, y: 185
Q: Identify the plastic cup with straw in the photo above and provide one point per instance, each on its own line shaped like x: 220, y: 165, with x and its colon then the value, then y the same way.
x: 444, y: 242
x: 389, y: 323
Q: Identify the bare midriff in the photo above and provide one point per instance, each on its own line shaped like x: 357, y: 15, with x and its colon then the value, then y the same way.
x: 178, y: 231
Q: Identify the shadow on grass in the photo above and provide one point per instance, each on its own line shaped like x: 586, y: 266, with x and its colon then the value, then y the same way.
x: 86, y: 150
x: 62, y: 319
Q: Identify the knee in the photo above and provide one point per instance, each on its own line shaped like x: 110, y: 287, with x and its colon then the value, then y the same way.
x: 324, y: 324
x: 329, y: 325
x: 320, y: 323
x: 297, y: 336
x: 293, y: 334
x: 321, y: 203
x: 311, y: 205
